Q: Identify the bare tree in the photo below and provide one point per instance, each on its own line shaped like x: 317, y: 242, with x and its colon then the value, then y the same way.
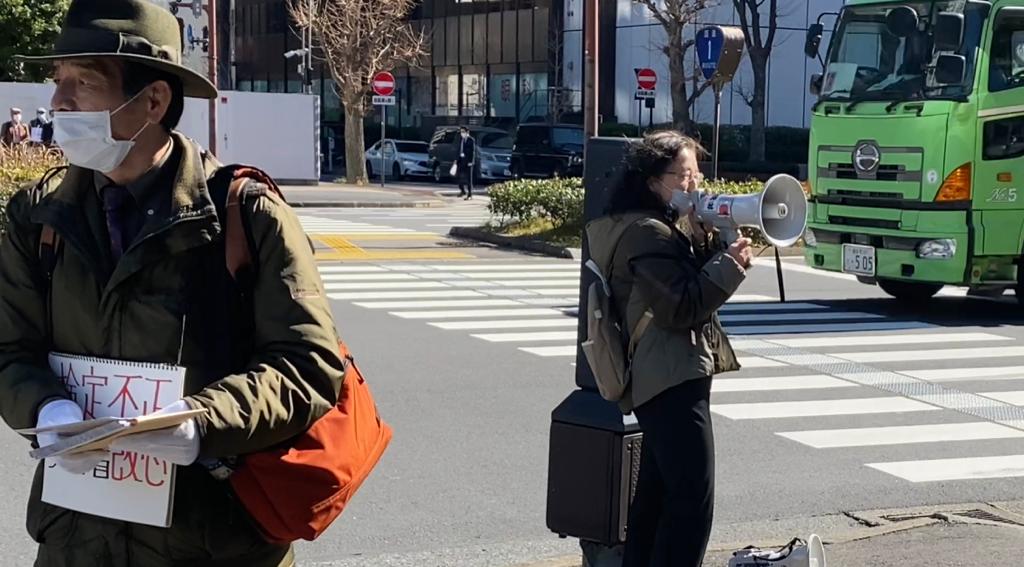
x: 759, y: 46
x: 674, y: 16
x: 357, y: 39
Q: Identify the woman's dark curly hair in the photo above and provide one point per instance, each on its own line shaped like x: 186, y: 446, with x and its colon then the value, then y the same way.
x: 647, y: 159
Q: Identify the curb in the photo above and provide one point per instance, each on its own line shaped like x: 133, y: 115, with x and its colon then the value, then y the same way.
x: 366, y: 204
x: 516, y: 243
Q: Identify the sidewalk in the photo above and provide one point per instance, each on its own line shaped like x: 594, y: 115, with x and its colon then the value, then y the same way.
x: 970, y: 535
x: 350, y: 196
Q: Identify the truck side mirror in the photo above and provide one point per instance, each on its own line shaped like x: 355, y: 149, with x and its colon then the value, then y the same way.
x: 813, y: 41
x: 815, y: 85
x: 949, y: 31
x: 950, y: 69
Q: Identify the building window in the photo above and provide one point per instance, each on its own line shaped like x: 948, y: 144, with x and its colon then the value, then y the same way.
x: 446, y: 87
x: 474, y: 91
x: 533, y: 95
x: 503, y: 94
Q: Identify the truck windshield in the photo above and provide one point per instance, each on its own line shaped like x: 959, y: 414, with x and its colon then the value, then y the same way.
x: 869, y: 62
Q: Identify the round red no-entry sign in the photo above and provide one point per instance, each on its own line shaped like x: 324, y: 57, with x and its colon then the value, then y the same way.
x: 646, y: 79
x: 384, y: 83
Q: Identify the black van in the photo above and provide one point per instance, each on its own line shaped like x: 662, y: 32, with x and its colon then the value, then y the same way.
x: 548, y: 150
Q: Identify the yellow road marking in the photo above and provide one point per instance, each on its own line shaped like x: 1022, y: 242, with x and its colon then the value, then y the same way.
x: 344, y: 249
x: 380, y: 235
x: 393, y: 255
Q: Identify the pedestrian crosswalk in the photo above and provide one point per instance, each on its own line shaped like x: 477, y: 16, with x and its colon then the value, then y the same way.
x: 532, y: 305
x: 384, y: 220
x: 849, y: 393
x: 321, y: 224
x: 819, y: 376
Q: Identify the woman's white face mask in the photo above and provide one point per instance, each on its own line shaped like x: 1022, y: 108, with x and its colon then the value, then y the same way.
x: 87, y: 140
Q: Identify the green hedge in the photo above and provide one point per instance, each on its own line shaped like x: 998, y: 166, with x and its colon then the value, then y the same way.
x: 18, y: 166
x: 560, y: 201
x: 557, y: 200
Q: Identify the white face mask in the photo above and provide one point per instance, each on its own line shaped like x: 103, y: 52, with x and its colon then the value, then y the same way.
x: 682, y: 201
x: 87, y: 141
x: 16, y: 118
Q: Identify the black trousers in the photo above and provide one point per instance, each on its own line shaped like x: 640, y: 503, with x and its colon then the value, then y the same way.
x: 465, y: 175
x: 670, y: 519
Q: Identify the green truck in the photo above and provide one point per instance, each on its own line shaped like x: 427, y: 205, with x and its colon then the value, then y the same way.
x: 917, y: 146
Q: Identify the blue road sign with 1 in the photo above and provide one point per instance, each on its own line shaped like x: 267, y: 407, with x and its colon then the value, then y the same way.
x: 710, y: 41
x: 384, y: 100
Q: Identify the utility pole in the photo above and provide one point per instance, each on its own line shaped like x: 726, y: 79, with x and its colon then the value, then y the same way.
x: 308, y: 59
x: 211, y: 10
x: 590, y: 68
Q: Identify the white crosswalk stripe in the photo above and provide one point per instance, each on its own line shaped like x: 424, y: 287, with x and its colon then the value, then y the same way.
x: 896, y: 382
x: 326, y: 225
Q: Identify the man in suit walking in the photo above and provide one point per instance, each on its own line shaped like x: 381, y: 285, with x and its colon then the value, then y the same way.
x: 465, y: 161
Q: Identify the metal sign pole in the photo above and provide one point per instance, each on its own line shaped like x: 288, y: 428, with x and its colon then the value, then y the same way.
x: 718, y: 123
x: 383, y: 135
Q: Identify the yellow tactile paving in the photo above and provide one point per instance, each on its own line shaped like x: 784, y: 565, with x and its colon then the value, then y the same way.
x: 344, y: 249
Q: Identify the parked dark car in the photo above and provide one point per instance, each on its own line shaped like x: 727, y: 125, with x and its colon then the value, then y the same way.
x: 548, y: 150
x: 493, y: 146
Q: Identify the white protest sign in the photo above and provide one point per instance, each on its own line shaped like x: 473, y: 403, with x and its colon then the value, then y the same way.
x: 126, y: 486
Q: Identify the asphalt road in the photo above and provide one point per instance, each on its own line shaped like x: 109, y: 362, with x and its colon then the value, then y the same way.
x: 848, y: 401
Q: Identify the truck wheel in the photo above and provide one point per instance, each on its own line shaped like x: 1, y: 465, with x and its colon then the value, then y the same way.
x: 910, y: 292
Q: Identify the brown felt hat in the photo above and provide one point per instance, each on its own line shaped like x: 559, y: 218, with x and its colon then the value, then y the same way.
x: 133, y: 30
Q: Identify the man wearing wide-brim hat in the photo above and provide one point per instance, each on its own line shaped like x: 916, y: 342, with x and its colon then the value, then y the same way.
x: 138, y: 274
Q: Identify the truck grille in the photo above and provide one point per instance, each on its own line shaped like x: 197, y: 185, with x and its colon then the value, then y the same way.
x: 884, y: 173
x: 869, y: 223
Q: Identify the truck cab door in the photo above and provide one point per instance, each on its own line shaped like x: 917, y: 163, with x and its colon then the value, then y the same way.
x: 999, y: 160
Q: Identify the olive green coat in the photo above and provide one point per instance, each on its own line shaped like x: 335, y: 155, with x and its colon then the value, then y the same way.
x: 654, y: 269
x: 168, y: 300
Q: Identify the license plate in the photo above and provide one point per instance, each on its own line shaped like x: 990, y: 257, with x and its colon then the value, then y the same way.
x: 859, y: 260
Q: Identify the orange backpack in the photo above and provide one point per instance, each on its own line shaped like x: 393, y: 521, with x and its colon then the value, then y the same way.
x: 294, y: 491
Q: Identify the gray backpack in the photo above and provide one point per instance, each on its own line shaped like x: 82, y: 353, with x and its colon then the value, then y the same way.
x: 608, y: 349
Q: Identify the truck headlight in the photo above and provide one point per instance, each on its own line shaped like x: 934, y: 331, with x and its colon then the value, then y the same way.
x: 576, y: 160
x: 484, y: 156
x: 810, y: 240
x: 942, y: 249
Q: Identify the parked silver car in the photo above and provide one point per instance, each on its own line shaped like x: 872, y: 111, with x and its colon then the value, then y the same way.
x: 402, y: 158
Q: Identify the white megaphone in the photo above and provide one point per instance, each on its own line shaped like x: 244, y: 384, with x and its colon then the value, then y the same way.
x: 779, y: 211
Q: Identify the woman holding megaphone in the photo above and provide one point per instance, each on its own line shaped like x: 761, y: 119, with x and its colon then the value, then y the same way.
x: 666, y: 266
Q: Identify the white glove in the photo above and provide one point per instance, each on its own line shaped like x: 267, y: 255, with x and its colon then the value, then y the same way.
x: 178, y: 445
x: 61, y: 412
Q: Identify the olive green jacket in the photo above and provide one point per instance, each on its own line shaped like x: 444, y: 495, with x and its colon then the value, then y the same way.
x: 168, y: 300
x: 656, y: 271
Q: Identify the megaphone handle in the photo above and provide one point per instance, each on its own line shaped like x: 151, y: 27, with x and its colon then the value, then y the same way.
x: 729, y: 234
x: 778, y: 273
